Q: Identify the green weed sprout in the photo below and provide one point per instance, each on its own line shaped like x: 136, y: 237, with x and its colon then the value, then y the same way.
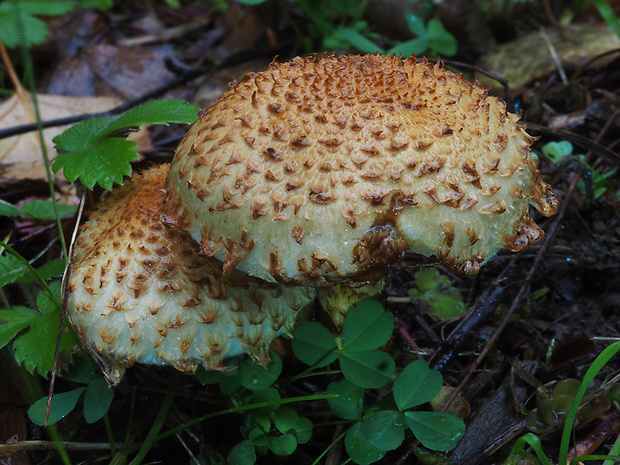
x: 533, y: 441
x: 443, y: 299
x: 274, y: 427
x: 556, y: 151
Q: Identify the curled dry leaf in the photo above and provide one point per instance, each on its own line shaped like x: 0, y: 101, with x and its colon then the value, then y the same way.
x: 20, y: 156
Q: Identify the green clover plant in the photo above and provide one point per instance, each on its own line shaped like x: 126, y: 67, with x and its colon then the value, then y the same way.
x: 274, y: 427
x: 375, y: 431
x: 367, y: 326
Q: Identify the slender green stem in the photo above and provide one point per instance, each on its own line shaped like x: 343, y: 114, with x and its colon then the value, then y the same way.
x: 35, y: 273
x: 615, y: 450
x: 108, y: 429
x: 30, y: 82
x: 336, y: 441
x: 594, y: 369
x: 607, y: 12
x: 243, y: 408
x: 153, y: 435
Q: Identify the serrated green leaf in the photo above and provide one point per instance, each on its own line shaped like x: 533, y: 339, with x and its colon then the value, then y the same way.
x: 11, y: 269
x: 366, y: 326
x: 14, y: 320
x: 369, y: 369
x: 44, y: 209
x: 255, y: 377
x: 52, y: 269
x: 93, y: 152
x: 314, y: 344
x: 384, y: 429
x: 7, y: 209
x: 155, y: 112
x: 104, y: 163
x: 97, y: 400
x: 416, y: 385
x: 82, y: 135
x: 359, y: 449
x: 439, y: 431
x: 62, y: 404
x: 35, y: 349
x: 350, y: 400
x: 283, y: 445
x: 243, y: 453
x: 284, y: 419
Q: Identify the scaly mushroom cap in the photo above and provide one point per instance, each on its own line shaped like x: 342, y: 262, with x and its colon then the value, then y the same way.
x: 325, y: 169
x: 140, y: 292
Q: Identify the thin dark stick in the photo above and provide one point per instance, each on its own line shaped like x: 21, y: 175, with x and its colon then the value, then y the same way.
x: 188, y: 76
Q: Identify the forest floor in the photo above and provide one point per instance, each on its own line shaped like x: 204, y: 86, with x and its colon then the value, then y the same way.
x: 535, y: 319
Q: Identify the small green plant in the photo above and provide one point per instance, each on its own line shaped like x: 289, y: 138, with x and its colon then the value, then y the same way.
x: 367, y: 326
x: 381, y: 427
x: 274, y: 427
x: 96, y: 151
x: 551, y: 407
x: 435, y: 290
x: 598, y: 182
x: 98, y: 397
x: 19, y: 22
x: 518, y: 450
x: 338, y: 24
x: 431, y: 38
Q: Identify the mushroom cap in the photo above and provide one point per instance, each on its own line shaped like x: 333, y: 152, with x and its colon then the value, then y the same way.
x: 325, y: 169
x: 139, y: 292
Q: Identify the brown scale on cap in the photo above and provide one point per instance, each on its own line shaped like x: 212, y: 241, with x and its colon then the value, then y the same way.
x: 324, y: 169
x: 139, y: 292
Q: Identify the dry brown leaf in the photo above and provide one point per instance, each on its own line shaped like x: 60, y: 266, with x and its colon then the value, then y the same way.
x: 528, y: 58
x: 20, y: 156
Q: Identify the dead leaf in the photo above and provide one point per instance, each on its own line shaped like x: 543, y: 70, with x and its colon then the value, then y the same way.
x: 20, y: 156
x: 528, y: 58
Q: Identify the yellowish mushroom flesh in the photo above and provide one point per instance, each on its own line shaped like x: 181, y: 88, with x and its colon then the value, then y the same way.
x: 139, y: 292
x: 324, y: 170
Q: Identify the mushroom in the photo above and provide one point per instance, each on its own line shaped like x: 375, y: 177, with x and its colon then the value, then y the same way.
x: 139, y: 292
x: 324, y: 170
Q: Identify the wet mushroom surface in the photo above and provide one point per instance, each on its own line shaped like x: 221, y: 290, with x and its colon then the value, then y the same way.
x: 324, y: 170
x: 139, y: 292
